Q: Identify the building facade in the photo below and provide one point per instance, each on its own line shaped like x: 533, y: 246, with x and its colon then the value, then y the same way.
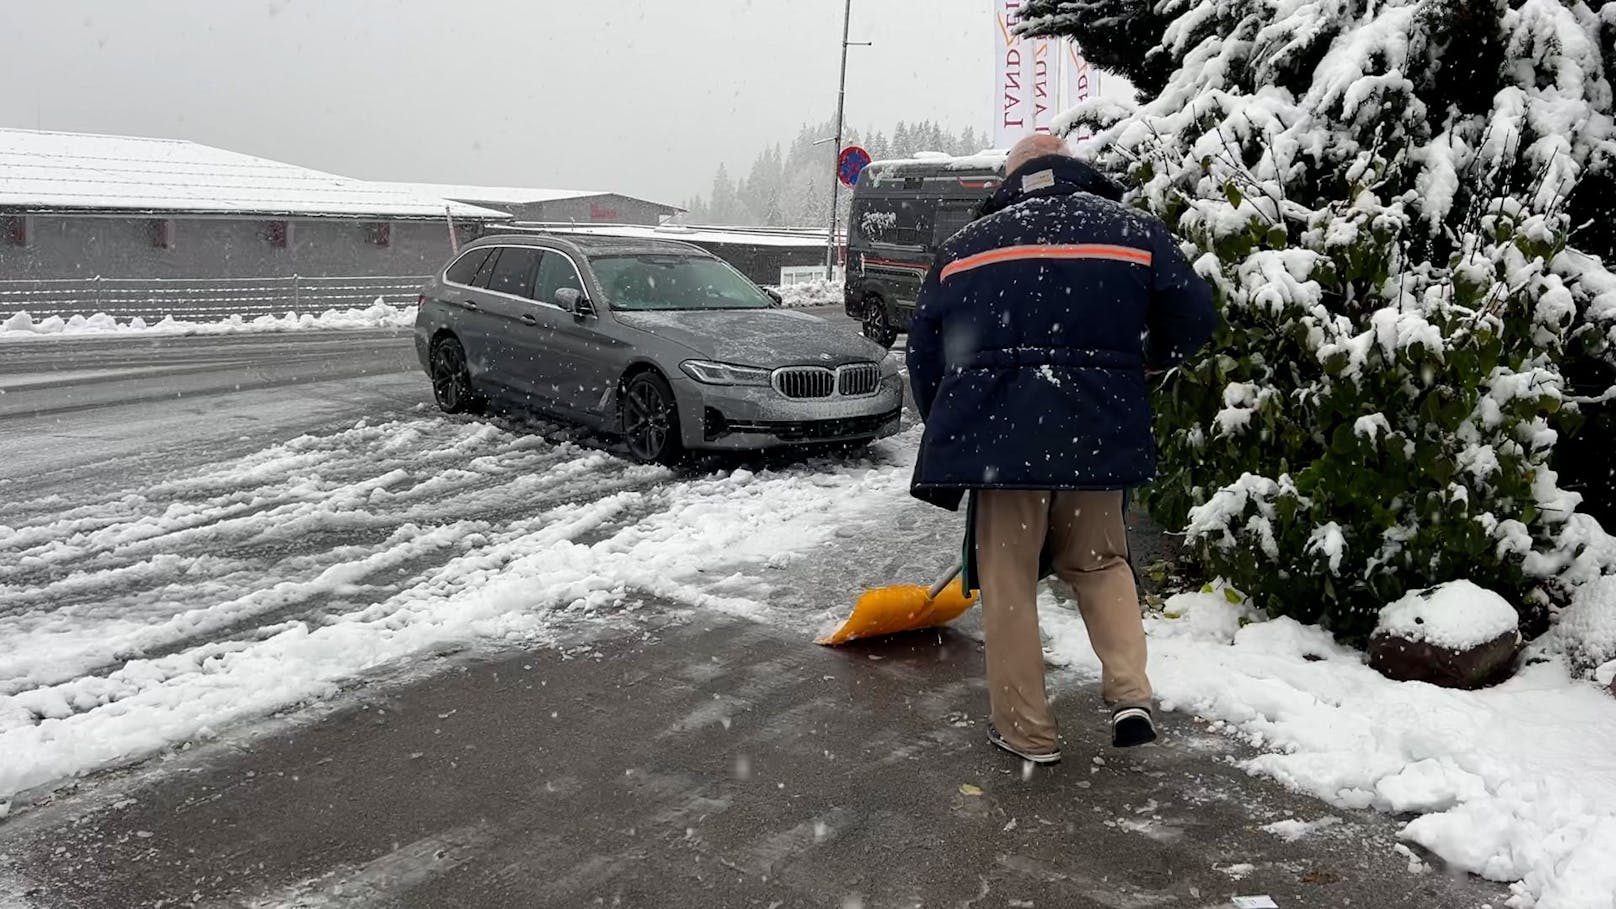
x: 49, y: 246
x: 546, y: 206
x: 152, y: 227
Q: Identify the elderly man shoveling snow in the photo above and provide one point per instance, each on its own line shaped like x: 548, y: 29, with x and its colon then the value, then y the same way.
x: 1028, y: 355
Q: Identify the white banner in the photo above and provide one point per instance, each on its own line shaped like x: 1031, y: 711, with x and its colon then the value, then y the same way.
x: 1045, y: 83
x: 1023, y: 78
x: 1082, y: 81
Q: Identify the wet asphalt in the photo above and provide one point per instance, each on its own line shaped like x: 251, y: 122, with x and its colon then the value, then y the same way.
x: 701, y: 763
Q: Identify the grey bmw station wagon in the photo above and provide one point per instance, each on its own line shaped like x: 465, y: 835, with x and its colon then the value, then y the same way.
x: 656, y: 340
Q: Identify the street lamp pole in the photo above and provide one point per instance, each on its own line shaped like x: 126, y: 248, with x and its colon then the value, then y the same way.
x: 836, y: 179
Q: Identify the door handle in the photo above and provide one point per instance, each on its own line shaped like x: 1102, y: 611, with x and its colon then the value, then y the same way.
x: 529, y: 319
x: 468, y: 304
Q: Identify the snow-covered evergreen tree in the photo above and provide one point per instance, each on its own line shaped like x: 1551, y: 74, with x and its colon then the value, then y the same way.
x: 970, y: 143
x: 760, y: 193
x: 723, y: 205
x: 1402, y: 205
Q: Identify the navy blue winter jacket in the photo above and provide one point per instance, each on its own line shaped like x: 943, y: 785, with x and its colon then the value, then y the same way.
x: 1033, y: 332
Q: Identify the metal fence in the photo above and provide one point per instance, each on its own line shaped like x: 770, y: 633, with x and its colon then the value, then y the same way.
x: 201, y: 299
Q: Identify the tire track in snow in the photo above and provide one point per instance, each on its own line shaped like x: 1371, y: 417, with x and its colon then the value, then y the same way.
x: 273, y: 514
x: 171, y: 590
x: 525, y: 534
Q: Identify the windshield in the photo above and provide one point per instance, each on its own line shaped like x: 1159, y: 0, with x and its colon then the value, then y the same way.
x: 664, y: 282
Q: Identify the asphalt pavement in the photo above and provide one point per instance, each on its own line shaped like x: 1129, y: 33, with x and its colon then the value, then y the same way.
x: 701, y: 764
x: 664, y: 758
x: 50, y: 377
x: 81, y: 412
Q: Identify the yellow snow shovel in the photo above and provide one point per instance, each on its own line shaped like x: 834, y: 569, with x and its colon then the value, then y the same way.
x: 903, y: 607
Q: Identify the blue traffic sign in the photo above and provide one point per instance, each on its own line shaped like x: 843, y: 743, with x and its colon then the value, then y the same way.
x: 851, y: 163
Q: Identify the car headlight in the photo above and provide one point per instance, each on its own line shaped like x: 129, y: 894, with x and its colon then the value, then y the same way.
x: 889, y: 365
x: 710, y: 373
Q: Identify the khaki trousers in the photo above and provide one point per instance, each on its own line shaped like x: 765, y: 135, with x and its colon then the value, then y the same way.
x: 1089, y: 544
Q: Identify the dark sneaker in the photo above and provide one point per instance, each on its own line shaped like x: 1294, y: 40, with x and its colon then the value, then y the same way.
x: 1132, y: 726
x: 1036, y: 757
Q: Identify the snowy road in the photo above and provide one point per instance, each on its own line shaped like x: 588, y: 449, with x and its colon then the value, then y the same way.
x: 175, y: 571
x: 601, y: 681
x: 176, y: 554
x: 708, y: 763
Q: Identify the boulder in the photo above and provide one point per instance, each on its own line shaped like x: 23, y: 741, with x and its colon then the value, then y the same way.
x: 1484, y: 664
x: 1455, y: 635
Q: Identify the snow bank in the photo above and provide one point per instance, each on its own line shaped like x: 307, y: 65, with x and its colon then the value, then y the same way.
x: 1457, y: 615
x: 1516, y: 783
x: 811, y: 293
x: 22, y: 326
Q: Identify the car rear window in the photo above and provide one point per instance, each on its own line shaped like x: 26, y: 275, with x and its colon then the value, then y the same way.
x: 484, y: 270
x: 514, y: 271
x: 464, y: 269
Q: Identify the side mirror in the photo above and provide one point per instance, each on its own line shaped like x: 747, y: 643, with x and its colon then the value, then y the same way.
x: 573, y: 300
x: 775, y: 296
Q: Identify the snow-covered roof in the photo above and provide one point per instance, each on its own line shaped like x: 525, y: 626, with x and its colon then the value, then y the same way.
x: 737, y: 236
x: 983, y: 160
x: 90, y: 172
x: 508, y: 195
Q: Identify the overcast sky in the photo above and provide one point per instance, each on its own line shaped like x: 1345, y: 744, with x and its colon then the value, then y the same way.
x: 643, y: 97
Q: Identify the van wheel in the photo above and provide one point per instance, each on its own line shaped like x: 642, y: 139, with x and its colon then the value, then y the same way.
x: 877, y: 324
x: 651, y: 420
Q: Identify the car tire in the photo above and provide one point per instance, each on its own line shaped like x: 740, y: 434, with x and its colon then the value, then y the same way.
x: 451, y: 380
x: 877, y: 324
x: 650, y: 419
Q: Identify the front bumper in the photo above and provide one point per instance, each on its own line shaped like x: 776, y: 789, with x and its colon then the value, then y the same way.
x: 735, y: 417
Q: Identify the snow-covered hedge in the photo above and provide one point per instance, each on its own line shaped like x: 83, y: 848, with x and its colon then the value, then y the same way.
x: 1386, y: 197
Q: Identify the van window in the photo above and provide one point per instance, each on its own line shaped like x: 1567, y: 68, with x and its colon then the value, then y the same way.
x: 464, y: 269
x: 952, y: 215
x: 895, y: 221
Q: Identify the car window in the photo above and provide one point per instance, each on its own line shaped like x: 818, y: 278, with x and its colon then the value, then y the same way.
x: 556, y: 271
x: 514, y: 272
x: 485, y: 270
x: 679, y: 282
x: 464, y: 269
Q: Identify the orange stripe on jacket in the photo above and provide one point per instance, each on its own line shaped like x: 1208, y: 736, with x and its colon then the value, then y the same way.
x: 1078, y: 251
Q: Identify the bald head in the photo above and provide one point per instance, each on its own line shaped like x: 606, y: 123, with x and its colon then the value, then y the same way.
x: 1034, y: 147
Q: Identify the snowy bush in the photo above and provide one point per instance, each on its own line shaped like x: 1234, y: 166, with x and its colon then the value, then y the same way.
x: 1402, y: 206
x: 1586, y: 630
